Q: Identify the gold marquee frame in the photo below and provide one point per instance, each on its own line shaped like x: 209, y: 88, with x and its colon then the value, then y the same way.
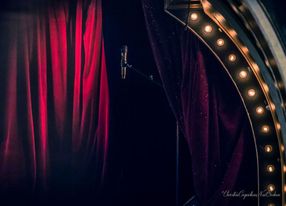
x: 254, y: 73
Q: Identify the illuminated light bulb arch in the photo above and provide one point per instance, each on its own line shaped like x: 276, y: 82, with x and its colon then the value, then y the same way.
x: 235, y: 57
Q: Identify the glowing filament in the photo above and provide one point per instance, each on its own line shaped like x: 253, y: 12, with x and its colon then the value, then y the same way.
x: 194, y: 16
x: 220, y: 42
x: 243, y: 74
x: 260, y: 110
x: 251, y: 92
x: 208, y: 28
x: 272, y: 106
x: 266, y: 88
x: 268, y: 148
x: 271, y: 188
x: 231, y: 57
x: 265, y: 129
x: 270, y: 168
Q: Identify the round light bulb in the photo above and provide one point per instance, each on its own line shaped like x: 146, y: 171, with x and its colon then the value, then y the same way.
x: 271, y: 188
x: 243, y: 74
x: 194, y: 16
x: 208, y: 28
x: 231, y: 57
x: 266, y: 88
x: 270, y: 168
x: 259, y: 110
x: 268, y: 148
x: 220, y: 42
x: 284, y: 168
x: 271, y: 204
x: 251, y: 92
x: 265, y: 129
x: 272, y: 106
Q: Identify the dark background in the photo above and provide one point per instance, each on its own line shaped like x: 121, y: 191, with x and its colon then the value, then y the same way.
x: 142, y: 142
x: 143, y: 128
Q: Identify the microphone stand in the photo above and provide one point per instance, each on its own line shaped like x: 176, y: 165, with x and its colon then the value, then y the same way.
x: 150, y: 78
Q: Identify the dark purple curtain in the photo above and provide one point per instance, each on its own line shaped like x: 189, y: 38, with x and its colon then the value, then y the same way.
x: 210, y: 112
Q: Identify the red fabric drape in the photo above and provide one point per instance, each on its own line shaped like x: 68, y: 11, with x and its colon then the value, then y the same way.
x: 54, y: 91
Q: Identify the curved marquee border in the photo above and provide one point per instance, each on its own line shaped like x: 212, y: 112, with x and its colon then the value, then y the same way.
x: 250, y: 74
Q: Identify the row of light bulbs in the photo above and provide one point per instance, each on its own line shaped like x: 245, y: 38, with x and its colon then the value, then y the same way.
x: 243, y: 74
x: 251, y: 93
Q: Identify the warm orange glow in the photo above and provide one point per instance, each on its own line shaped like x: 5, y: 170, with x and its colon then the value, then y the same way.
x: 282, y: 148
x: 243, y: 74
x: 265, y: 129
x: 208, y: 28
x: 268, y: 148
x: 219, y: 17
x: 270, y: 168
x: 220, y: 42
x: 259, y: 110
x: 284, y: 168
x: 255, y: 67
x: 266, y: 88
x: 194, y: 16
x: 278, y: 126
x: 207, y: 6
x: 232, y: 33
x: 251, y: 92
x: 231, y: 57
x: 272, y: 106
x: 244, y: 49
x: 271, y: 188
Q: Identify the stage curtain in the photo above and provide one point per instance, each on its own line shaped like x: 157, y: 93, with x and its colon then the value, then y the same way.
x: 54, y: 96
x: 210, y: 112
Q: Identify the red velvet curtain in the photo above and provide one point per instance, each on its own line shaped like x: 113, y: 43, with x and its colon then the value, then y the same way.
x: 54, y: 95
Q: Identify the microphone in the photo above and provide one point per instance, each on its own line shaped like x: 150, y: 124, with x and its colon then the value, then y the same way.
x: 123, y: 64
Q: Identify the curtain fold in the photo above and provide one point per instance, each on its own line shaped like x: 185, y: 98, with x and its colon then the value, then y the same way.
x: 54, y: 95
x: 208, y: 108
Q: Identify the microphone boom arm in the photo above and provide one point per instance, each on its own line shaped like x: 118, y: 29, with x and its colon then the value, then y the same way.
x: 149, y: 78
